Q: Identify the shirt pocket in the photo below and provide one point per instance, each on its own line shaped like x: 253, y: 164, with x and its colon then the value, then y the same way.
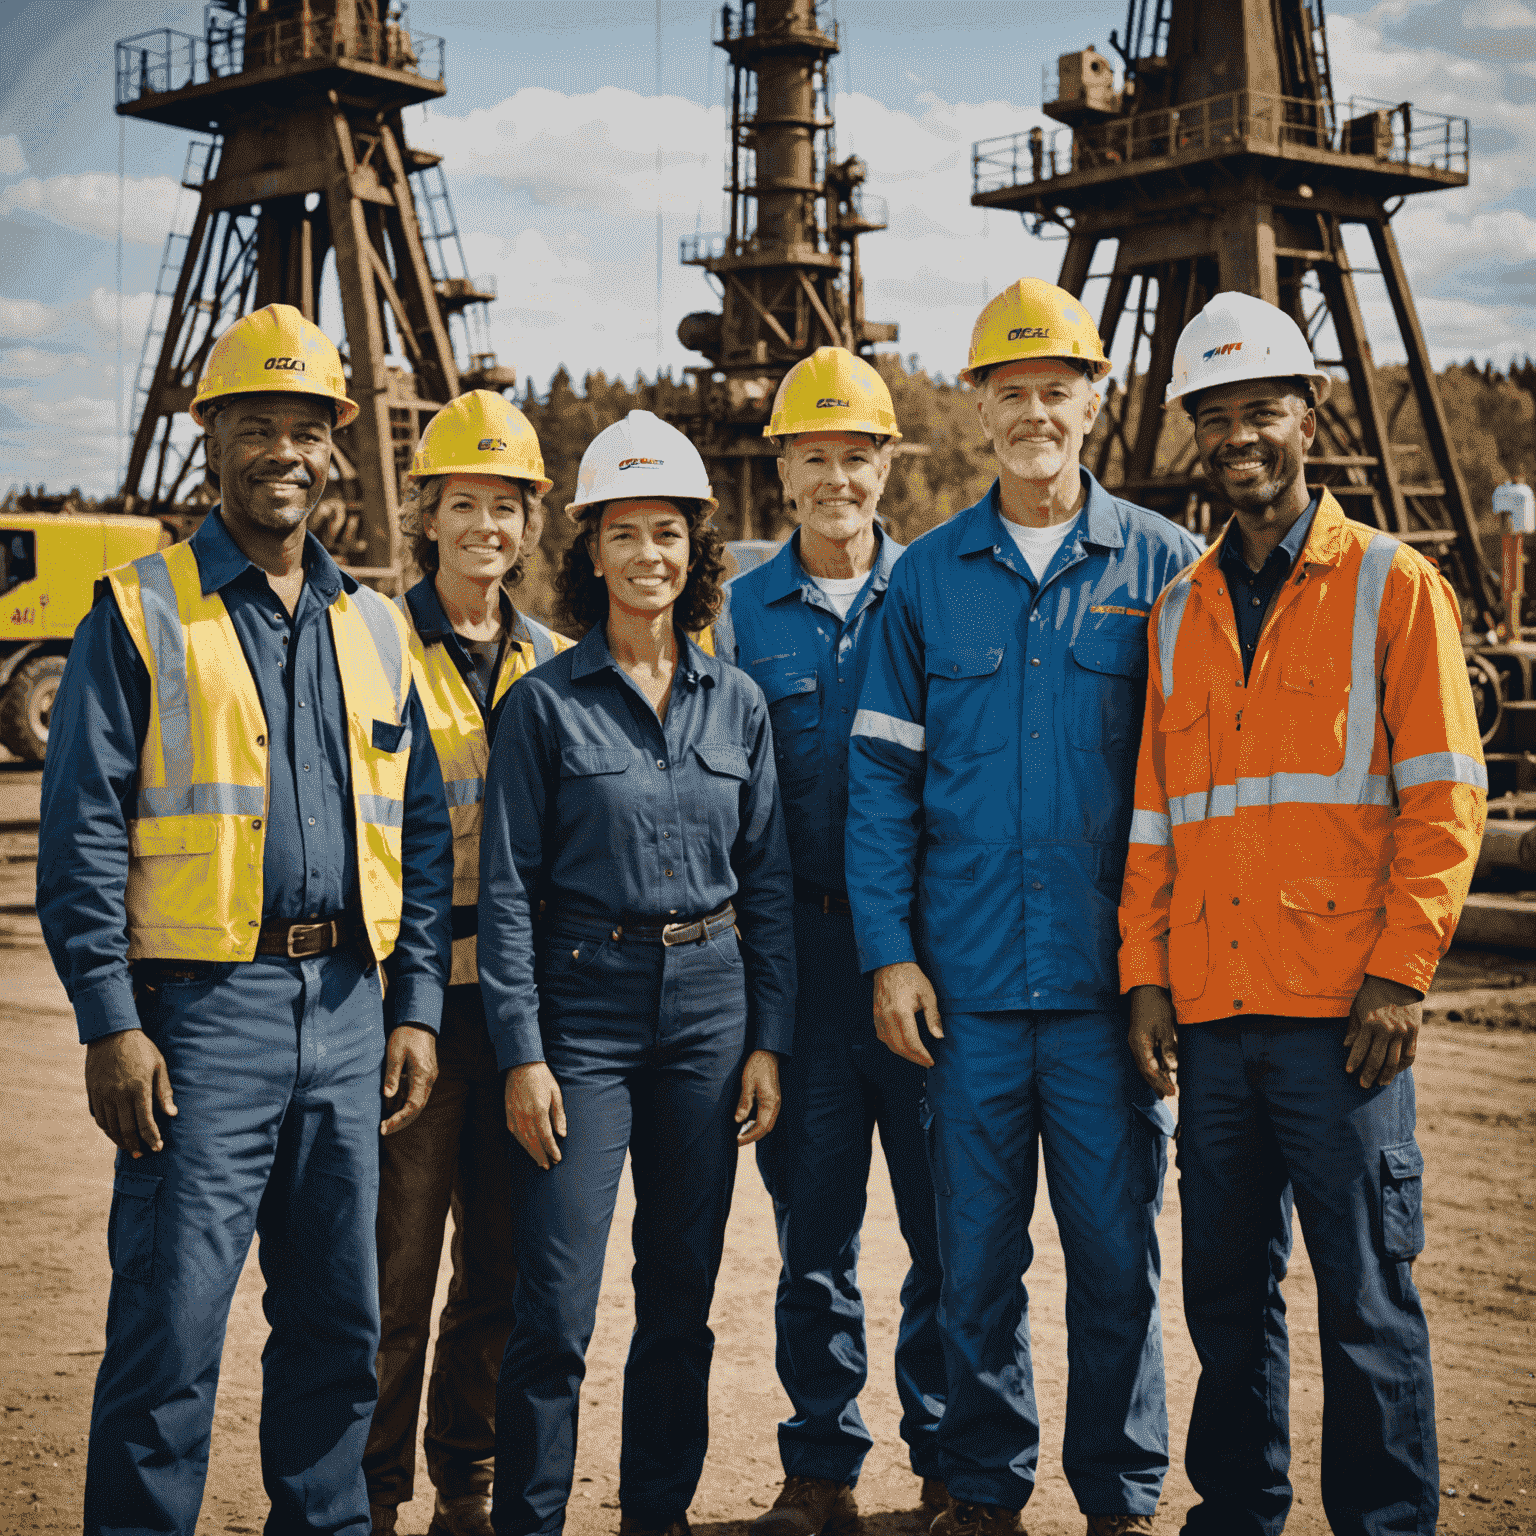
x: 1328, y: 927
x: 794, y: 710
x: 1314, y: 699
x: 965, y: 713
x: 1106, y: 693
x: 593, y: 785
x: 388, y: 736
x: 1185, y: 729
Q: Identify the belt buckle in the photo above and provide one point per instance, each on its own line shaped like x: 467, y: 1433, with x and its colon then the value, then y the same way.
x: 301, y: 932
x: 675, y: 933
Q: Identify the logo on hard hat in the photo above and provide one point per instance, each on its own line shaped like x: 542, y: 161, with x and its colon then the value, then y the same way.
x: 287, y: 364
x: 631, y: 463
x: 492, y: 445
x: 1231, y: 346
x: 1029, y: 333
x: 831, y: 404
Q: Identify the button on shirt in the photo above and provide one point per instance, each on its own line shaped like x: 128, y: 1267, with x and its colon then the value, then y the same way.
x: 595, y: 807
x: 782, y: 630
x: 309, y: 867
x: 1252, y: 590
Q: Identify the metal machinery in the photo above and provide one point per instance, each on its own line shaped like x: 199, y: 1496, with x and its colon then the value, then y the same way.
x: 788, y: 267
x: 308, y: 157
x: 1224, y: 162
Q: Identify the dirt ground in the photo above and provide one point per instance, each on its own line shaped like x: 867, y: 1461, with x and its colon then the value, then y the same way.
x: 1477, y: 1116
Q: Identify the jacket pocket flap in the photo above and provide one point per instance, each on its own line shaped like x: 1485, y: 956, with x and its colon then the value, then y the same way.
x: 580, y: 762
x: 389, y: 736
x: 963, y: 660
x: 1403, y: 1162
x: 1182, y: 710
x: 1122, y: 658
x: 1325, y: 894
x: 1186, y: 907
x: 723, y: 757
x: 1312, y: 675
x: 165, y: 836
x: 1158, y: 1116
x: 782, y: 685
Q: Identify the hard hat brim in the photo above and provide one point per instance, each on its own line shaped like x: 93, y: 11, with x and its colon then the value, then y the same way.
x: 866, y: 428
x: 1322, y: 383
x: 542, y: 485
x: 580, y: 511
x: 346, y: 410
x: 1102, y: 367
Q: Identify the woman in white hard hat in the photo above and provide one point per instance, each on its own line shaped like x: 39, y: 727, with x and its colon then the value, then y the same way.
x: 631, y: 799
x: 471, y: 512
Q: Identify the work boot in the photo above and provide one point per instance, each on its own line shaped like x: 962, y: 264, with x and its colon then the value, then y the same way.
x: 629, y: 1526
x: 382, y: 1518
x: 810, y: 1506
x: 962, y: 1519
x: 1118, y: 1525
x: 935, y: 1495
x: 469, y: 1514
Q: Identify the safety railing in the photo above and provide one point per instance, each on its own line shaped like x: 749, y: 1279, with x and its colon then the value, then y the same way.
x: 694, y: 250
x: 154, y: 63
x: 735, y: 23
x: 869, y: 210
x: 1397, y: 134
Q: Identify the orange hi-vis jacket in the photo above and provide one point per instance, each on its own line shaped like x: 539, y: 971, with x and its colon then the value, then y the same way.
x: 1321, y: 822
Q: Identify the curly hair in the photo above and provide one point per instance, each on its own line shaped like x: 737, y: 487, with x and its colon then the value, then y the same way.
x: 422, y: 501
x: 583, y: 595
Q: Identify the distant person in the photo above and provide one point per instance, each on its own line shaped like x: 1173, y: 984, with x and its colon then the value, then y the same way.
x: 991, y: 774
x: 802, y: 625
x: 472, y: 512
x: 242, y: 823
x: 638, y: 970
x: 1309, y: 804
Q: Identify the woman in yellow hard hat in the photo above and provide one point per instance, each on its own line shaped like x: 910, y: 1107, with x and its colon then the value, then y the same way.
x: 471, y: 513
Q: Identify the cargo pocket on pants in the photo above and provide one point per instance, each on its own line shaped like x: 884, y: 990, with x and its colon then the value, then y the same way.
x: 1154, y: 1125
x: 1402, y: 1201
x: 131, y: 1226
x: 926, y: 1119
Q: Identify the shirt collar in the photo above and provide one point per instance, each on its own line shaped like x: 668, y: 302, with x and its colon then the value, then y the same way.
x: 788, y: 577
x: 220, y: 561
x: 1285, y: 551
x: 431, y: 622
x: 1099, y: 522
x: 591, y: 654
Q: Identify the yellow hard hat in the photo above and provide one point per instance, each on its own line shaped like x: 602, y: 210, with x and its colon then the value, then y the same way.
x: 274, y: 351
x: 1034, y: 319
x: 833, y: 391
x: 481, y: 433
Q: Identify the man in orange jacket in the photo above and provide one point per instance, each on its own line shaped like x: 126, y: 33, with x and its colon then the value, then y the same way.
x: 1309, y: 801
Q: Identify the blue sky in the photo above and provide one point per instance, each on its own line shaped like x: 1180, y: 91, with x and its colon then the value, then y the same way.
x: 550, y: 131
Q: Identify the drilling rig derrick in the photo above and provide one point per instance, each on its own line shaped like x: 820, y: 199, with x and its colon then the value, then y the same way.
x: 788, y: 266
x: 1224, y: 163
x: 304, y: 156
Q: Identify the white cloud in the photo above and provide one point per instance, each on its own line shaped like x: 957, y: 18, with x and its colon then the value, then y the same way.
x: 26, y: 319
x: 13, y: 159
x: 98, y: 311
x: 1498, y: 15
x: 89, y: 204
x: 34, y: 363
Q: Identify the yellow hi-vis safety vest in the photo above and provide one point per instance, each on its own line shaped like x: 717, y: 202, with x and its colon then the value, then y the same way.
x: 197, y: 842
x: 458, y: 726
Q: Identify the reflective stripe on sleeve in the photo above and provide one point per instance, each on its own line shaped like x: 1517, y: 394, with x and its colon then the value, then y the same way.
x: 1152, y: 828
x: 168, y: 641
x: 1440, y: 767
x: 870, y: 722
x: 464, y: 791
x: 1168, y: 622
x: 202, y: 800
x: 381, y: 811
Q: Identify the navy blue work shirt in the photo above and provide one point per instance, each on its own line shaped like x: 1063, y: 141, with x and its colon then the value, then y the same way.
x: 309, y: 867
x: 596, y: 808
x: 1252, y: 589
x: 781, y: 629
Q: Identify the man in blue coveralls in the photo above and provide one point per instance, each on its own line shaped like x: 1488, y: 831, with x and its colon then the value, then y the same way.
x: 801, y: 625
x: 219, y: 910
x: 992, y: 772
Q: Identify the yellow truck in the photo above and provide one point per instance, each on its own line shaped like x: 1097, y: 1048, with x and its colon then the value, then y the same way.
x: 49, y: 566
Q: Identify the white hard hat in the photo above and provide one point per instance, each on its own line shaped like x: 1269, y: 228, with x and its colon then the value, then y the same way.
x: 640, y: 457
x: 1237, y: 337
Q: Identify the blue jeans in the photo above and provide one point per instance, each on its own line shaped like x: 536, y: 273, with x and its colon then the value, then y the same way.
x: 839, y: 1084
x: 647, y: 1045
x: 1002, y: 1085
x: 1267, y: 1118
x: 275, y: 1066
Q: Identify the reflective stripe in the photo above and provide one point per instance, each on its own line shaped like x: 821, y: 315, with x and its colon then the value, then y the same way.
x: 1168, y: 622
x: 1439, y: 767
x: 1151, y: 827
x: 381, y: 810
x: 203, y: 800
x: 385, y: 634
x: 168, y: 640
x: 904, y: 733
x: 1278, y: 789
x: 464, y: 791
x: 1360, y: 731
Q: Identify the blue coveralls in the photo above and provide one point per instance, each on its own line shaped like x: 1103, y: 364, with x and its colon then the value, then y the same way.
x: 274, y: 1063
x: 609, y: 818
x: 991, y: 783
x: 841, y: 1081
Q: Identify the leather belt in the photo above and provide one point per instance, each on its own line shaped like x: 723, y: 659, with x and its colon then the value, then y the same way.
x: 302, y: 941
x: 822, y: 896
x: 694, y: 931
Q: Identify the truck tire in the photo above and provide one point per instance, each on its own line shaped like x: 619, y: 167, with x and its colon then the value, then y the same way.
x: 26, y: 705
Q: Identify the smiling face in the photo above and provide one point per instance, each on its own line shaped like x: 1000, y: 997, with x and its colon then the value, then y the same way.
x: 640, y: 552
x: 1253, y: 438
x: 272, y: 454
x: 478, y: 527
x: 1036, y: 414
x: 835, y: 480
